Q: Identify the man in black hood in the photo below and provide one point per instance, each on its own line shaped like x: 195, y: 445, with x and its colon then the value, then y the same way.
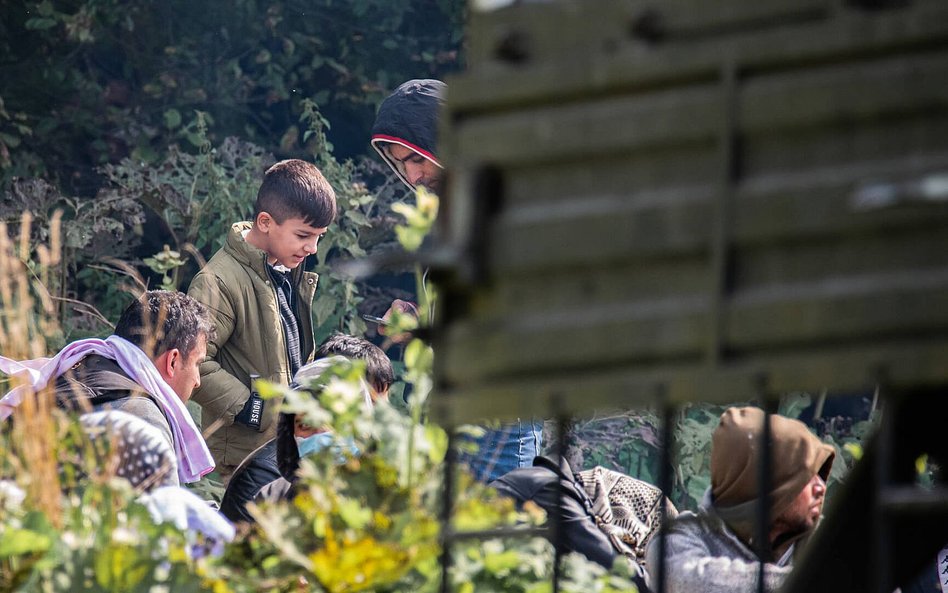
x: 405, y: 133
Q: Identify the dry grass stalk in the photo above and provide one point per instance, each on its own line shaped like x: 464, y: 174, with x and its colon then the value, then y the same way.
x: 23, y: 327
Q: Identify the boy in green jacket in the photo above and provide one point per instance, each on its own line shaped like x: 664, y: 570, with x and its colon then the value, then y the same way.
x: 261, y: 301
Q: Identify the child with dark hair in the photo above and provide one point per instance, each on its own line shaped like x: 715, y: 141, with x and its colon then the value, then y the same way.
x: 274, y: 464
x: 261, y: 302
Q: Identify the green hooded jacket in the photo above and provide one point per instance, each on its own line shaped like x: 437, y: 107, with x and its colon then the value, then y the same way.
x: 236, y: 286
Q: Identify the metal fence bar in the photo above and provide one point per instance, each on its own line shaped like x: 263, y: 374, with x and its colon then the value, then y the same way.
x: 447, y: 533
x: 483, y: 534
x: 881, y: 530
x: 556, y: 521
x: 764, y: 475
x: 665, y: 481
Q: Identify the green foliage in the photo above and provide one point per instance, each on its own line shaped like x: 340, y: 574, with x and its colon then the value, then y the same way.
x: 592, y: 442
x: 365, y: 516
x: 197, y: 197
x: 93, y: 81
x: 108, y: 543
x: 96, y: 536
x: 335, y: 305
x: 418, y: 219
x: 164, y: 262
x: 91, y: 231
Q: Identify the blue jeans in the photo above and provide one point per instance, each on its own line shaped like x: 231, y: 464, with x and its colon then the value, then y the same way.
x: 499, y: 451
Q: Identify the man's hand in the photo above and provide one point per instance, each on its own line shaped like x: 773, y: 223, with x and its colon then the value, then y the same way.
x: 396, y: 314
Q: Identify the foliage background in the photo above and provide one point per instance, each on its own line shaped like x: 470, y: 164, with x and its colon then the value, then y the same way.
x: 150, y: 124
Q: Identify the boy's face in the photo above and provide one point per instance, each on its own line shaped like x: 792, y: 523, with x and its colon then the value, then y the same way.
x: 288, y: 243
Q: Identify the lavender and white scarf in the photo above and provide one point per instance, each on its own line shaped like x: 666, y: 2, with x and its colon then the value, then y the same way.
x: 194, y: 458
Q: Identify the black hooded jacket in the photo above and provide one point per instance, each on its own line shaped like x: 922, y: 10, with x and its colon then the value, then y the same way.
x: 555, y: 490
x: 409, y: 117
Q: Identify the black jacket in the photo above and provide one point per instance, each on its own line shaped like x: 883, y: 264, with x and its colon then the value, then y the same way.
x: 254, y: 472
x: 555, y: 490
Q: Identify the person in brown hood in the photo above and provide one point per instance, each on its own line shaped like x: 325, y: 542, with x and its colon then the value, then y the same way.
x: 715, y: 549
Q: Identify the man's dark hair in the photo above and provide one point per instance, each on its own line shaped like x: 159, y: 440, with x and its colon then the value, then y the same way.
x: 296, y: 189
x: 161, y: 320
x: 378, y: 367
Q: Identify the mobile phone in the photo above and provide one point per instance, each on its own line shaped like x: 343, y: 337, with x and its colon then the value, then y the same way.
x: 375, y: 319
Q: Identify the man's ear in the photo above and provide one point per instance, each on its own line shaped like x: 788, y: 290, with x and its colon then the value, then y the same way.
x: 169, y: 362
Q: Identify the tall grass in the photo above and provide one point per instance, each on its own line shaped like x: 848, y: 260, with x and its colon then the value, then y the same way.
x: 27, y: 316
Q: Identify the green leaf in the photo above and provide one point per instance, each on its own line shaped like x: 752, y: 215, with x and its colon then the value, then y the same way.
x: 39, y: 24
x: 502, y: 563
x: 9, y: 140
x: 321, y: 97
x: 438, y: 441
x: 120, y: 568
x: 354, y: 514
x: 357, y: 217
x: 417, y: 355
x: 16, y: 542
x: 323, y: 308
x: 793, y: 404
x: 172, y: 119
x: 196, y: 140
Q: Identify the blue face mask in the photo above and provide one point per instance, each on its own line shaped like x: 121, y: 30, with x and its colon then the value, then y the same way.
x: 314, y: 443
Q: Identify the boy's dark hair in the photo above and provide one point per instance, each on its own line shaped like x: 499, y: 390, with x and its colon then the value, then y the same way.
x: 378, y: 372
x: 161, y: 320
x: 296, y: 189
x: 378, y: 367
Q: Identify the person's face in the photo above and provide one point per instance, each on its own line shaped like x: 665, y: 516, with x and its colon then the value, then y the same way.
x: 377, y: 395
x: 417, y: 169
x: 183, y: 373
x: 290, y: 242
x: 804, y: 512
x: 303, y: 430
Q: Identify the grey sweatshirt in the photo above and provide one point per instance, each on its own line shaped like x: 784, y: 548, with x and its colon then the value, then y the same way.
x: 705, y: 556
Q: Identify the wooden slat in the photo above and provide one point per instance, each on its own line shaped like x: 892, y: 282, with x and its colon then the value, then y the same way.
x: 781, y: 317
x: 595, y: 128
x: 655, y: 175
x: 614, y: 234
x: 592, y: 285
x: 848, y: 369
x: 819, y: 212
x: 591, y: 72
x: 663, y: 329
x: 796, y: 262
x: 845, y: 93
x: 839, y: 95
x: 905, y: 303
x: 559, y: 30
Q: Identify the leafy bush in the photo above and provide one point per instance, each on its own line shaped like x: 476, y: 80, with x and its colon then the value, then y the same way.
x: 196, y: 197
x: 592, y: 442
x: 367, y: 522
x: 94, y: 81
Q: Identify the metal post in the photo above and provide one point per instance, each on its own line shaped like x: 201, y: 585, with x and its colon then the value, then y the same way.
x: 880, y: 523
x: 556, y: 520
x: 764, y: 474
x: 664, y: 479
x: 447, y: 533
